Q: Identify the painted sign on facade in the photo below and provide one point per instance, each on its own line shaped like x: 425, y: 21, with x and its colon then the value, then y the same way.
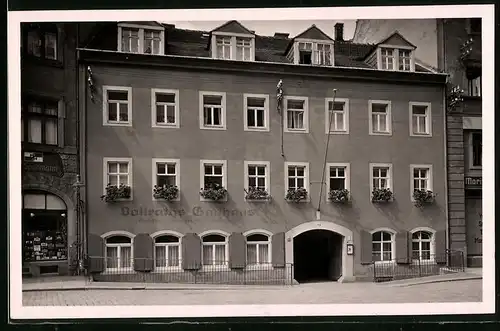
x: 50, y: 163
x: 474, y: 220
x: 472, y: 183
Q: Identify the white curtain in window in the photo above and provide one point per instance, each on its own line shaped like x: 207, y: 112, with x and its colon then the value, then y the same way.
x: 51, y: 131
x: 35, y: 131
x: 125, y: 257
x: 112, y: 257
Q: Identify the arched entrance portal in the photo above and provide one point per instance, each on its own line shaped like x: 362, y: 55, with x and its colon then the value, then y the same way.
x: 317, y: 256
x: 45, y: 233
x: 317, y: 250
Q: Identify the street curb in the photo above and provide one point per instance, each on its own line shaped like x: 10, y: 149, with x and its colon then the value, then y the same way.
x: 114, y: 288
x: 431, y: 281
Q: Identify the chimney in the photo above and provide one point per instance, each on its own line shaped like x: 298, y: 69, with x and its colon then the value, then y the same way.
x: 281, y: 35
x: 339, y: 32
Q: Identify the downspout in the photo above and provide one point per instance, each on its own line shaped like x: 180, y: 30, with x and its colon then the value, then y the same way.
x: 78, y: 209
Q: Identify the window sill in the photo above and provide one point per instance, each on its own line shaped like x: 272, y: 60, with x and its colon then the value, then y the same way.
x: 165, y: 200
x: 256, y: 129
x: 166, y: 126
x: 296, y: 131
x: 338, y: 132
x: 380, y: 133
x: 117, y: 124
x: 214, y: 201
x: 421, y: 135
x: 220, y: 128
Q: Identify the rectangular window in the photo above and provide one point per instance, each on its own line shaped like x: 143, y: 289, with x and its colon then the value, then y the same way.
x: 257, y: 175
x: 474, y: 87
x: 212, y: 110
x: 152, y: 42
x: 130, y: 40
x: 420, y: 119
x: 135, y: 38
x: 165, y: 108
x: 223, y: 48
x: 297, y: 175
x: 337, y: 116
x: 117, y: 171
x: 380, y: 117
x: 166, y: 172
x: 387, y: 56
x: 41, y: 41
x: 305, y: 53
x: 315, y: 53
x: 323, y: 54
x: 213, y: 173
x: 40, y: 121
x: 337, y: 177
x: 243, y: 49
x: 256, y: 117
x: 476, y: 148
x: 296, y: 116
x: 381, y: 176
x: 117, y: 105
x: 404, y: 60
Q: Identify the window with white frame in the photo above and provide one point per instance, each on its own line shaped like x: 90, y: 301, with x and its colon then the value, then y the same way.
x: 214, y: 248
x: 337, y: 116
x: 117, y: 105
x: 213, y: 173
x: 421, y: 245
x: 337, y: 177
x: 474, y: 86
x: 230, y: 47
x: 476, y: 149
x: 256, y: 173
x: 118, y: 171
x: 387, y: 57
x: 118, y: 252
x: 167, y: 252
x: 404, y: 59
x: 420, y: 119
x: 314, y: 53
x: 421, y: 177
x: 297, y: 176
x: 166, y: 172
x: 258, y: 251
x: 256, y: 115
x: 382, y: 246
x: 324, y: 54
x: 165, y: 108
x: 212, y: 110
x: 134, y: 38
x: 296, y: 116
x: 381, y: 176
x: 380, y: 117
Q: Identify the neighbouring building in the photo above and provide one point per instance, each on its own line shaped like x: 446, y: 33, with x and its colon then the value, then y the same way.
x: 452, y: 46
x: 205, y: 155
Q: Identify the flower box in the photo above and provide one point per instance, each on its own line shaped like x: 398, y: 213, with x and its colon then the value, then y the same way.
x: 339, y: 196
x: 296, y: 195
x: 115, y: 193
x: 423, y: 197
x: 166, y: 192
x: 213, y: 192
x: 255, y: 193
x: 382, y: 195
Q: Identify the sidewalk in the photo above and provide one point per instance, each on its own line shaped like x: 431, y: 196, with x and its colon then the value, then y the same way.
x: 82, y: 283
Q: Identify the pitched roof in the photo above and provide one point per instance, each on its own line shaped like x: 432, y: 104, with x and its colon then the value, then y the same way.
x: 396, y: 36
x: 234, y: 27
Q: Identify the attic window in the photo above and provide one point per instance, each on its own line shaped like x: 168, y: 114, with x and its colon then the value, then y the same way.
x: 141, y: 39
x: 227, y: 47
x: 395, y: 59
x: 314, y: 53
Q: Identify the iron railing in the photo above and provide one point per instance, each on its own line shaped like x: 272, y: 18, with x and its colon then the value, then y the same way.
x: 430, y: 265
x: 147, y: 271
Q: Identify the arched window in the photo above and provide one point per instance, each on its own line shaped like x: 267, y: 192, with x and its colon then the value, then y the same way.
x: 258, y: 249
x: 118, y: 252
x: 383, y: 246
x: 167, y: 252
x: 214, y: 248
x: 422, y: 245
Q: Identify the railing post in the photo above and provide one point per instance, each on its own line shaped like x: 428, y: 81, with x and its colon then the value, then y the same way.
x: 419, y: 268
x: 374, y: 271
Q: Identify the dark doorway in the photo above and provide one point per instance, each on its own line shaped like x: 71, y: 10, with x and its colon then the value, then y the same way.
x: 317, y: 256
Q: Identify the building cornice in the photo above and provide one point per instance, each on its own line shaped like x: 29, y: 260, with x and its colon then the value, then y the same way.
x: 90, y: 56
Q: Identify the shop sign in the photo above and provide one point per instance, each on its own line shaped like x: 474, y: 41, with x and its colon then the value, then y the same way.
x: 473, y: 182
x: 50, y: 163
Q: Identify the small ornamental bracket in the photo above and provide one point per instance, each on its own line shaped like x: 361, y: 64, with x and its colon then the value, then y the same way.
x: 90, y: 82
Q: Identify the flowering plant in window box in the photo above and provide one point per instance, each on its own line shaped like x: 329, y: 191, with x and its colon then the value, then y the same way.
x: 213, y: 192
x: 382, y: 195
x: 116, y: 192
x: 422, y: 197
x: 256, y: 193
x: 339, y: 196
x: 166, y: 192
x: 296, y: 195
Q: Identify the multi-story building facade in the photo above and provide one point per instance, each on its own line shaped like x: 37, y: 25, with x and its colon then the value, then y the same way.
x: 452, y: 46
x: 208, y: 150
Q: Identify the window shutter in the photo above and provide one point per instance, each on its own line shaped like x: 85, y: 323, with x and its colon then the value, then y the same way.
x: 402, y: 247
x: 143, y: 252
x: 366, y: 247
x: 237, y: 251
x: 278, y: 249
x: 95, y: 252
x: 440, y: 246
x: 191, y: 252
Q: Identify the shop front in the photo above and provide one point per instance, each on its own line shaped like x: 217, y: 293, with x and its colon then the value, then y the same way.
x: 474, y: 220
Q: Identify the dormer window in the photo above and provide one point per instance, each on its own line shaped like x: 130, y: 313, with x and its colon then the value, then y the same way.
x: 133, y: 38
x: 237, y: 48
x: 312, y: 53
x: 387, y: 59
x: 395, y: 59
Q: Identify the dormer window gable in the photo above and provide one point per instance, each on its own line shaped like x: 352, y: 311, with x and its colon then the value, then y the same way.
x: 312, y: 47
x: 394, y: 54
x: 232, y: 41
x: 140, y: 38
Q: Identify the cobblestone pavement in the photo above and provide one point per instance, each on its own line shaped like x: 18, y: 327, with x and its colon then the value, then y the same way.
x: 457, y: 291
